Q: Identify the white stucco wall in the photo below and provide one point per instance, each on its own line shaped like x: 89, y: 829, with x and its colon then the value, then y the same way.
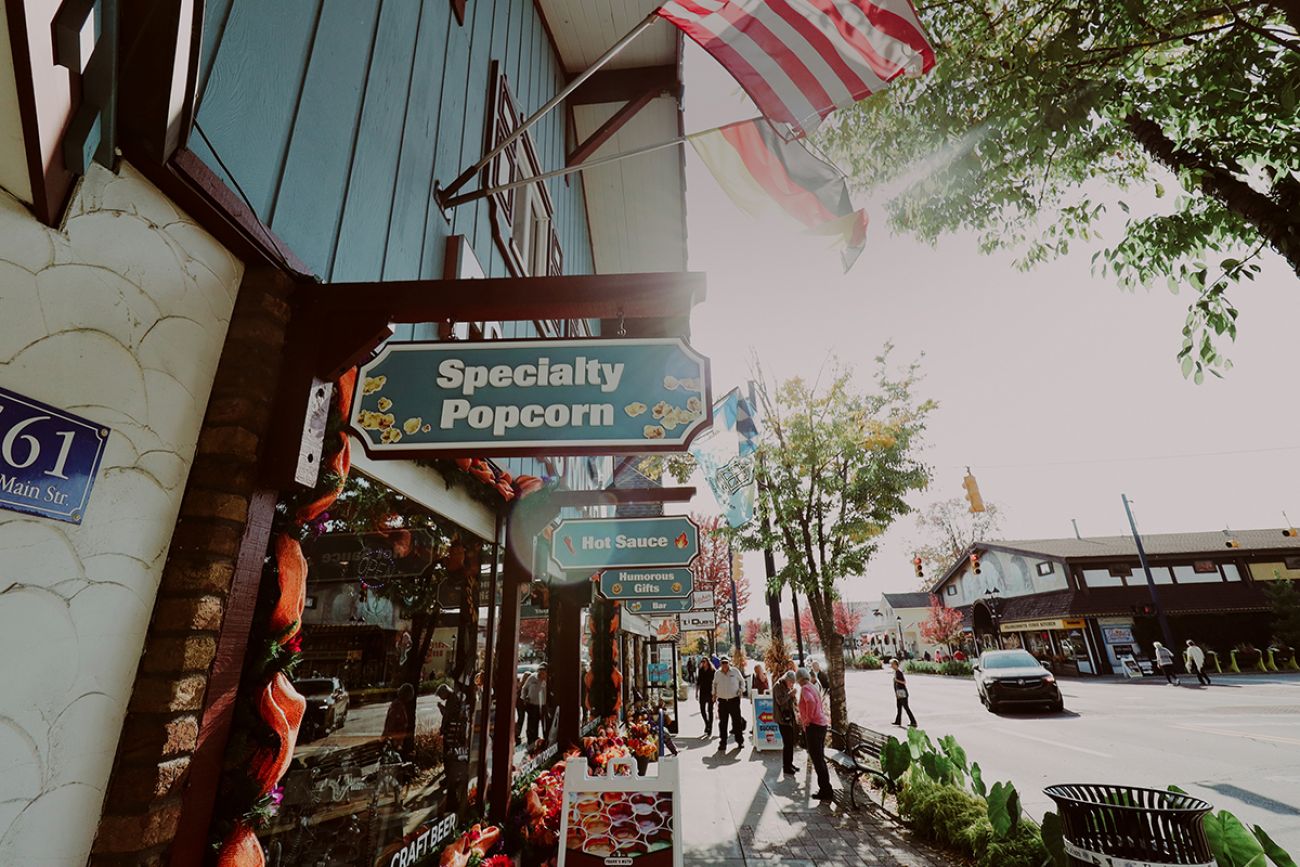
x: 120, y: 318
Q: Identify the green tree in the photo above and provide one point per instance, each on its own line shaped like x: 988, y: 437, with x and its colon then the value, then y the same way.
x: 1284, y: 597
x: 949, y: 527
x: 837, y: 465
x: 1035, y: 107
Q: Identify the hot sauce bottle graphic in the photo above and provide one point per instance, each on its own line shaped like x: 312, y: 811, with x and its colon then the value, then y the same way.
x: 568, y: 543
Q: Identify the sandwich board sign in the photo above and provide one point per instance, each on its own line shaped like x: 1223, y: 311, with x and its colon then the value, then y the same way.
x: 503, y: 398
x: 621, y: 819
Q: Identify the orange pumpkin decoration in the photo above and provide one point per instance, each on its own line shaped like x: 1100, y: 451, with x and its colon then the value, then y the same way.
x: 282, y: 708
x: 525, y: 485
x: 343, y: 391
x: 241, y: 849
x: 287, y: 614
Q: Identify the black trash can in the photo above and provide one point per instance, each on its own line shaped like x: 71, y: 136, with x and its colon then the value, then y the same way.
x: 1111, y: 825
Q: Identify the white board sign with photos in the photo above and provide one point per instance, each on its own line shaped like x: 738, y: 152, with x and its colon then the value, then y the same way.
x: 621, y: 819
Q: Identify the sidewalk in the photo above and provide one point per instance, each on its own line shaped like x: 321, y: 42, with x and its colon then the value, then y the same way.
x: 739, y: 810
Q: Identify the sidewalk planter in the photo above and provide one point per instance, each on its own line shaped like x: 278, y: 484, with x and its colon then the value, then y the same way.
x: 1101, y: 822
x: 1270, y: 664
x: 1214, y: 658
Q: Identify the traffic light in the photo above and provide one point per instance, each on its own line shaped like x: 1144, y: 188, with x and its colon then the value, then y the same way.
x: 973, y: 492
x: 975, y: 563
x: 917, y: 563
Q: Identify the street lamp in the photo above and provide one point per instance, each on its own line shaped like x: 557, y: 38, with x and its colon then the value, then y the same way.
x: 898, y: 622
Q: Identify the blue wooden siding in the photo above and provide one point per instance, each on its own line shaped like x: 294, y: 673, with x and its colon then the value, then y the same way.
x: 334, y: 119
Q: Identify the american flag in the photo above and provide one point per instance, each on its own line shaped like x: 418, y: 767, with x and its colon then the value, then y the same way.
x: 799, y: 60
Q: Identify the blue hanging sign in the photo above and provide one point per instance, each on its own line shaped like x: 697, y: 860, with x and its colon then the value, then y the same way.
x: 48, y: 458
x: 503, y: 398
x: 588, y: 544
x: 648, y: 584
x: 658, y: 606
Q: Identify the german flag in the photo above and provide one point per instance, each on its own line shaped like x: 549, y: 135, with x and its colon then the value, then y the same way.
x: 760, y: 170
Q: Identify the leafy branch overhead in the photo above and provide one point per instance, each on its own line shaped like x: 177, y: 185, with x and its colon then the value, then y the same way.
x: 1037, y: 107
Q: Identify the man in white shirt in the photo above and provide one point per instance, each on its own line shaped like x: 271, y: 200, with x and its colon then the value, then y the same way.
x: 728, y: 684
x: 533, y: 693
x: 1194, y: 662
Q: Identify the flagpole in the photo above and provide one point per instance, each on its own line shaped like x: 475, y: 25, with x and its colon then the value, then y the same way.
x: 447, y: 196
x: 475, y: 195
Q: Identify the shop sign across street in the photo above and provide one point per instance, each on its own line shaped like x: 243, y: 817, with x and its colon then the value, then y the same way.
x: 528, y: 397
x: 611, y: 543
x: 648, y: 584
x: 698, y: 620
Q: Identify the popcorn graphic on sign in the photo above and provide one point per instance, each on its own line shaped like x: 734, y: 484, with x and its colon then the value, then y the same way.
x: 384, y: 404
x: 635, y: 408
x: 412, y: 425
x: 661, y: 409
x: 652, y: 432
x: 373, y: 384
x: 671, y: 382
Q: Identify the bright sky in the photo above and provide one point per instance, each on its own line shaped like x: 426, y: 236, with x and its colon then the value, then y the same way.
x: 1060, y: 390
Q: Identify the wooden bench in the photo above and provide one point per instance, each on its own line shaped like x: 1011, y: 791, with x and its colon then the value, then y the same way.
x: 858, y: 756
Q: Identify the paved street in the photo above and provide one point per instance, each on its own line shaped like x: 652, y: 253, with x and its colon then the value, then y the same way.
x: 1235, y: 743
x: 366, y: 723
x: 740, y: 810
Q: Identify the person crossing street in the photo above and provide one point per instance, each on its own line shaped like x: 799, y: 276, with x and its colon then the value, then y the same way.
x: 1165, y: 662
x: 1194, y: 662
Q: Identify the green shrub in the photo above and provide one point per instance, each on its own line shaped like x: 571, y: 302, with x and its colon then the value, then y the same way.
x: 957, y: 820
x: 952, y: 667
x: 869, y: 662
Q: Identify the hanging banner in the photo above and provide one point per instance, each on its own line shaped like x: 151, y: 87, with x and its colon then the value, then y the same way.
x: 608, y: 543
x: 725, y: 454
x: 48, y: 458
x: 529, y: 397
x: 665, y: 628
x: 648, y: 584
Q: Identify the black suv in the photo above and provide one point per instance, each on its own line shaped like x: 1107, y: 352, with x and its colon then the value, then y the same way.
x: 1007, y: 677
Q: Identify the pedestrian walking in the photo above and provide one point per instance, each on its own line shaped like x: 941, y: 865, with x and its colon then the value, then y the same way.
x: 534, y: 695
x: 900, y: 696
x: 1165, y: 660
x: 704, y: 692
x: 728, y: 684
x: 690, y: 670
x: 760, y: 684
x: 1194, y: 662
x: 814, y: 721
x: 785, y: 700
x: 820, y: 677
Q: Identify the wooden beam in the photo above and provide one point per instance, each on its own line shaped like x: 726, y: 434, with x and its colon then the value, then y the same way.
x: 159, y: 62
x: 609, y: 128
x: 590, y: 296
x: 621, y: 85
x: 515, y: 577
x: 623, y: 496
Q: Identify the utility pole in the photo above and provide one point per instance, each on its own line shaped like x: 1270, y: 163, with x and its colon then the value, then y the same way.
x: 735, y: 608
x: 1151, y: 582
x: 798, y: 630
x: 769, y: 559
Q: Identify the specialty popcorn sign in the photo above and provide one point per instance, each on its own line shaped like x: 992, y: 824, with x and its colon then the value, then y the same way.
x: 525, y: 397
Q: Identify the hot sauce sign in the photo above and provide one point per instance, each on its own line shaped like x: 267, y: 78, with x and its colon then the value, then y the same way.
x: 612, y: 543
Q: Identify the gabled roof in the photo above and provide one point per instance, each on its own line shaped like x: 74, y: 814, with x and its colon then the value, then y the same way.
x: 1210, y: 543
x: 907, y: 600
x: 1156, y: 544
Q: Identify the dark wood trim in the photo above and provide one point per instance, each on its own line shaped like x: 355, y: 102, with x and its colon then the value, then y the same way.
x: 622, y: 496
x: 550, y: 36
x: 152, y: 36
x: 609, y: 128
x: 223, y: 685
x: 586, y: 296
x: 188, y: 182
x: 485, y: 742
x: 458, y: 9
x: 515, y: 577
x: 51, y: 188
x: 620, y: 85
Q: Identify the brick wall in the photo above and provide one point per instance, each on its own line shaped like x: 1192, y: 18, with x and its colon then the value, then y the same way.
x: 178, y: 717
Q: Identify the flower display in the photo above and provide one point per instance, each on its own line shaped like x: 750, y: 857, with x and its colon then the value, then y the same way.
x: 542, y: 805
x: 604, y: 745
x: 643, y: 740
x: 471, y: 847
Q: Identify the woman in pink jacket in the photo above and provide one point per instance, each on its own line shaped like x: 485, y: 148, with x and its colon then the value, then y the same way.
x: 814, y: 721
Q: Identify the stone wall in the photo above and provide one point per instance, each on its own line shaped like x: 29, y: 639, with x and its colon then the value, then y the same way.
x: 121, y: 317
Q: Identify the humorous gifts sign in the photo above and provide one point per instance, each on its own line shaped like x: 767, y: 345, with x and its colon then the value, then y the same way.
x: 528, y: 397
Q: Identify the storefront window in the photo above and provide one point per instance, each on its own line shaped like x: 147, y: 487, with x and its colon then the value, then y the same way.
x: 391, y: 656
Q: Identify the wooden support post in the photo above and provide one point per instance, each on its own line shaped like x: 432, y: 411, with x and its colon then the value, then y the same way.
x: 565, y: 659
x: 610, y: 128
x: 516, y: 576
